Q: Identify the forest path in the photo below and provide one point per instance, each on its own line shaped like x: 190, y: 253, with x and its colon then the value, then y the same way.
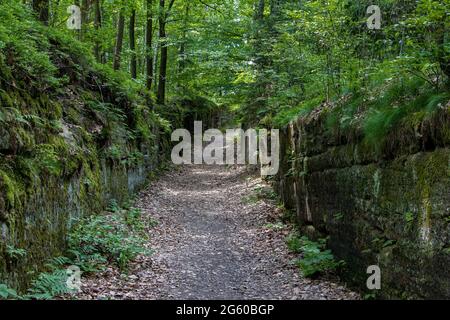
x: 212, y: 242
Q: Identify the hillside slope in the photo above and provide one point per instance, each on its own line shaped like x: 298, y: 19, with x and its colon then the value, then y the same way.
x: 73, y: 135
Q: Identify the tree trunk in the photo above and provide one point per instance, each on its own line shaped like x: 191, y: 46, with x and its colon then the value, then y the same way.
x: 98, y: 26
x: 155, y: 64
x: 161, y: 97
x: 148, y: 44
x: 85, y: 13
x: 41, y: 7
x: 119, y: 41
x: 133, y: 61
x: 444, y: 61
x: 182, y: 53
x: 259, y: 10
x: 85, y: 7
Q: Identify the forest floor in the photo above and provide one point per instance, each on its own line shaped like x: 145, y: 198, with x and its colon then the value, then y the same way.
x: 213, y: 241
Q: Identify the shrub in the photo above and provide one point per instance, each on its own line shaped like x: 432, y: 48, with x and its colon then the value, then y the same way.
x: 315, y: 258
x: 49, y: 285
x: 7, y: 293
x: 105, y: 238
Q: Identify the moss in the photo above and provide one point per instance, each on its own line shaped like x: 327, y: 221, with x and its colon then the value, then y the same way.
x: 53, y: 146
x: 6, y: 100
x: 431, y: 167
x: 13, y: 190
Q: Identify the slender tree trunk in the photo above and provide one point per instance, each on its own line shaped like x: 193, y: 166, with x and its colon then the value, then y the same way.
x: 443, y: 59
x: 41, y: 7
x: 133, y: 61
x: 275, y: 7
x: 85, y: 7
x: 155, y: 65
x: 259, y: 10
x: 182, y: 53
x: 54, y: 16
x: 161, y: 96
x: 259, y: 39
x: 148, y: 44
x: 119, y: 41
x: 259, y: 22
x: 98, y: 26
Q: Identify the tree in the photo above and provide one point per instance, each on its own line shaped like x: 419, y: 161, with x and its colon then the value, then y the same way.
x: 119, y: 41
x: 132, y: 33
x: 41, y: 7
x: 182, y: 52
x: 148, y: 45
x: 98, y: 25
x: 164, y: 14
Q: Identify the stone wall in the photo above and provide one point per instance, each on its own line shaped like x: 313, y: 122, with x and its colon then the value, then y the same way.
x: 388, y: 207
x: 67, y: 166
x: 47, y: 213
x: 73, y: 135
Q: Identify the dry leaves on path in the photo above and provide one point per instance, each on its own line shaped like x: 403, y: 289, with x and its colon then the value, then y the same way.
x: 211, y: 243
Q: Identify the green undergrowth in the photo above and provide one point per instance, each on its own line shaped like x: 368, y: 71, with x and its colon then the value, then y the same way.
x: 62, y: 117
x: 114, y: 238
x: 58, y: 106
x: 372, y: 115
x: 315, y: 258
x: 284, y: 117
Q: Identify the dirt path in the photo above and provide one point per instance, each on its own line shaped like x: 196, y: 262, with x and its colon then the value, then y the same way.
x: 211, y: 243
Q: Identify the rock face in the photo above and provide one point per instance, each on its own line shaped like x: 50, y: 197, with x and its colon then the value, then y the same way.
x: 64, y: 154
x: 48, y: 212
x: 58, y: 175
x: 388, y: 207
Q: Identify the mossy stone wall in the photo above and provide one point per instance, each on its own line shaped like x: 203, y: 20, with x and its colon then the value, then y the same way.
x: 388, y: 207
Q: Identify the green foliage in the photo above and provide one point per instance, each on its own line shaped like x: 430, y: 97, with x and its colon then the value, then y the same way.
x: 93, y: 243
x: 261, y: 192
x: 286, y: 115
x: 48, y: 159
x: 101, y: 238
x: 275, y: 226
x: 320, y: 51
x: 7, y: 293
x: 401, y: 105
x: 294, y: 242
x: 15, y: 253
x: 409, y: 217
x: 22, y: 39
x: 49, y: 285
x: 113, y: 206
x: 315, y: 258
x: 60, y: 111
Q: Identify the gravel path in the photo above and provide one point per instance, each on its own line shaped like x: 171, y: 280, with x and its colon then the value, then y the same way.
x: 211, y: 242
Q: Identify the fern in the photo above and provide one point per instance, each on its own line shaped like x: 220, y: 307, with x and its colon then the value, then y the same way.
x: 7, y: 293
x: 15, y: 253
x: 49, y: 285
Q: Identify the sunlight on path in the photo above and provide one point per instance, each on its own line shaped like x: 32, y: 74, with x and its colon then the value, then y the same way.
x: 211, y: 244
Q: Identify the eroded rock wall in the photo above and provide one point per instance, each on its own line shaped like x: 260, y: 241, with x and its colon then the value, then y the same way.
x: 388, y: 207
x: 40, y: 225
